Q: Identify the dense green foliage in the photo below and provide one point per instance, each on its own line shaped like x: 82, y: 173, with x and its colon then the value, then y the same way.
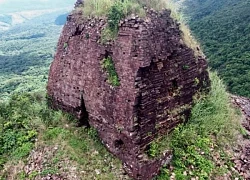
x: 17, y: 131
x: 222, y: 27
x: 115, y: 14
x: 108, y: 65
x: 27, y: 123
x: 204, y: 8
x: 212, y: 128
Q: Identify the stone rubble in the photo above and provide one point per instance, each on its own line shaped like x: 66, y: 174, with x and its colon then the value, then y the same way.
x: 40, y: 160
x: 242, y: 154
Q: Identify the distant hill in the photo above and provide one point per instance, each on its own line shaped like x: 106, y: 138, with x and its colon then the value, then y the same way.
x: 223, y: 28
x: 61, y: 20
x: 11, y: 19
x: 11, y: 6
x: 14, y: 12
x: 6, y: 19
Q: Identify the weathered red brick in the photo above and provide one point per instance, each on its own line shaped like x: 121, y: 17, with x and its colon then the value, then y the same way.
x: 157, y: 73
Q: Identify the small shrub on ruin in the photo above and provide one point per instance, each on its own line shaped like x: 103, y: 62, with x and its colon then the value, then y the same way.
x: 108, y: 65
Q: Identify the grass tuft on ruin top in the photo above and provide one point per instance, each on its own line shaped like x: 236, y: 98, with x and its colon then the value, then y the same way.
x: 116, y: 10
x: 101, y: 8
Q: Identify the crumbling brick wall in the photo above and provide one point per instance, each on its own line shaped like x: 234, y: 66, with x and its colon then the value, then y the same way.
x: 158, y: 73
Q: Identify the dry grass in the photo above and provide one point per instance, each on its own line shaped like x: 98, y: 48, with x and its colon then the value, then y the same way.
x: 190, y: 40
x: 155, y: 4
x: 97, y: 7
x: 12, y: 169
x: 100, y: 8
x: 187, y: 36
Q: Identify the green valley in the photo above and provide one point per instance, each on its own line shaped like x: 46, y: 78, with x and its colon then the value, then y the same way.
x: 223, y: 29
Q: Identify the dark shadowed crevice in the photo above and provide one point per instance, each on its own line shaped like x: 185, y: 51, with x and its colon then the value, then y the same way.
x: 118, y: 143
x: 84, y: 117
x: 174, y: 84
x: 107, y: 54
x: 78, y: 31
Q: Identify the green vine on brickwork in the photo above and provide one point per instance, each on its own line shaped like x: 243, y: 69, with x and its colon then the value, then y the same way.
x: 115, y: 14
x: 108, y: 65
x: 65, y: 45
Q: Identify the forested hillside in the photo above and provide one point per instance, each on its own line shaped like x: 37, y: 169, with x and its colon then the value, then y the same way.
x: 26, y: 51
x: 223, y: 29
x: 28, y: 38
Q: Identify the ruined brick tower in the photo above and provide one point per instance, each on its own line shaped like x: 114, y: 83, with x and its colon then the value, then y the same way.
x: 158, y: 77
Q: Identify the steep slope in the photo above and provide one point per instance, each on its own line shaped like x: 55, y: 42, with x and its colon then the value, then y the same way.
x: 15, y: 18
x: 223, y: 28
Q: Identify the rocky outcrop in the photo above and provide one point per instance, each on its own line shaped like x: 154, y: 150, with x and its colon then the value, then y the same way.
x: 243, y: 104
x: 79, y: 3
x: 158, y: 75
x: 241, y: 157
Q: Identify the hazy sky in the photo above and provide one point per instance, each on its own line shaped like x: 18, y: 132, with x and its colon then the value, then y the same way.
x: 1, y: 1
x: 21, y: 5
